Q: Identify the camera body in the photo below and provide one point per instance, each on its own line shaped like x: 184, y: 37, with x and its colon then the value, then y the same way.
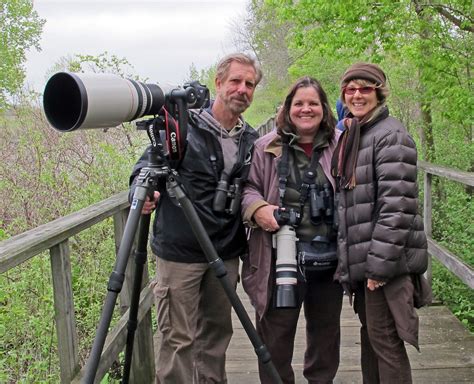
x: 287, y: 216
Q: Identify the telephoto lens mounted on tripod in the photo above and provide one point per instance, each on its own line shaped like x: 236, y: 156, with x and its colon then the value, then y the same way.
x: 74, y: 101
x: 91, y: 100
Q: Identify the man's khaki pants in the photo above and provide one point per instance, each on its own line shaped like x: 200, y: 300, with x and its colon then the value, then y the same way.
x: 194, y: 318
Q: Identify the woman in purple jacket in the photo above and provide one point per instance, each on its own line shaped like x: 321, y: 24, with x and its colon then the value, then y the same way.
x: 289, y: 196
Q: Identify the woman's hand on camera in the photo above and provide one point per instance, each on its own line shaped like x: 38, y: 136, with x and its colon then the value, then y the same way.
x: 150, y: 204
x: 263, y: 216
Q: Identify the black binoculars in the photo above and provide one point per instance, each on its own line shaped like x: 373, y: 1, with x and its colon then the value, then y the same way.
x: 227, y: 197
x: 321, y: 204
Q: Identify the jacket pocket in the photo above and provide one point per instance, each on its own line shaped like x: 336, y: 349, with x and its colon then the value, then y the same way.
x: 163, y: 308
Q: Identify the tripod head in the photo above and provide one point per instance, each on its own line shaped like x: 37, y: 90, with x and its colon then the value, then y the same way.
x: 158, y: 167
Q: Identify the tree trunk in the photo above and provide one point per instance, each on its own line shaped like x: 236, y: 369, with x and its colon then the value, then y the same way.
x: 426, y: 132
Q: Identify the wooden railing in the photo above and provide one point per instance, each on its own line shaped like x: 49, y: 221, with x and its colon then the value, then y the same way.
x: 267, y: 126
x: 448, y: 259
x: 54, y: 236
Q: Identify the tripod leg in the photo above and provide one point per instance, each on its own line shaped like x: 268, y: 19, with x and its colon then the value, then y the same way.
x: 116, y: 281
x: 140, y: 260
x: 218, y: 266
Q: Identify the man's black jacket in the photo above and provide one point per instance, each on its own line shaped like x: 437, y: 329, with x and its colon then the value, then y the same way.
x: 172, y: 237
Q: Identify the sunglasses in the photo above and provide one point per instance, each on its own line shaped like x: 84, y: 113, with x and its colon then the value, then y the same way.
x: 362, y: 90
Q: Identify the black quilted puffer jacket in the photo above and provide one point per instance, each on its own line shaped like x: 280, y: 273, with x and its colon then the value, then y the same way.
x: 381, y: 234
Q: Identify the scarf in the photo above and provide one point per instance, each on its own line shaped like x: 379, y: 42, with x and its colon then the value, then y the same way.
x: 344, y: 160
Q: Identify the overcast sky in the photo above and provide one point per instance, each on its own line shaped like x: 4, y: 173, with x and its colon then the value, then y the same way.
x: 160, y: 38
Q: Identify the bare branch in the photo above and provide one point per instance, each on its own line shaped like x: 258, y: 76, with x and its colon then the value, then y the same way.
x: 453, y: 19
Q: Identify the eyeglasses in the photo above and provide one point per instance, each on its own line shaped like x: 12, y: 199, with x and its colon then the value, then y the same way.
x: 362, y: 90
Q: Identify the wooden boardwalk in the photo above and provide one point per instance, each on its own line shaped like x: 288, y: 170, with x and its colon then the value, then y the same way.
x: 447, y: 349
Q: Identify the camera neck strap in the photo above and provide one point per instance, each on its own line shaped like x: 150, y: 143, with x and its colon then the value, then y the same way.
x: 309, y: 176
x: 283, y: 169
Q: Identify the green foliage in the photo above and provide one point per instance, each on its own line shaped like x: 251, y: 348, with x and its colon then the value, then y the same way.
x: 452, y: 219
x: 103, y: 62
x: 28, y: 337
x: 453, y: 228
x: 434, y: 41
x: 450, y: 289
x: 20, y: 31
x: 266, y: 102
x: 45, y: 175
x: 94, y: 252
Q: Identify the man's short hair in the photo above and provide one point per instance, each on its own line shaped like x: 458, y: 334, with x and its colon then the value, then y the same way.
x: 242, y: 58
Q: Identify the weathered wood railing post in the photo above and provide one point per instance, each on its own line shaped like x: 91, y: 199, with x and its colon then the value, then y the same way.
x: 427, y: 217
x: 453, y: 263
x: 64, y: 311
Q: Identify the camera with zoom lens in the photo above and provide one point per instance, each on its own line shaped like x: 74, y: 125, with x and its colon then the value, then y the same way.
x: 227, y: 197
x: 74, y: 101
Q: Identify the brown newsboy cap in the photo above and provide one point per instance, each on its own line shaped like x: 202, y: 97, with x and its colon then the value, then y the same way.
x: 367, y: 71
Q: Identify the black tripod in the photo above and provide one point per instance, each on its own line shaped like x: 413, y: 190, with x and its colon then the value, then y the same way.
x: 146, y: 184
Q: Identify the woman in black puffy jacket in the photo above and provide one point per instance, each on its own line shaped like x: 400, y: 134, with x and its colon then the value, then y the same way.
x: 382, y: 247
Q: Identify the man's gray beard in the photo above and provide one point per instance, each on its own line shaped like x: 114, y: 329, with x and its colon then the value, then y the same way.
x: 238, y: 108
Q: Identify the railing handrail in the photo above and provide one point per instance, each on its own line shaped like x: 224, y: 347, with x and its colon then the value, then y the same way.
x: 18, y: 249
x: 462, y: 177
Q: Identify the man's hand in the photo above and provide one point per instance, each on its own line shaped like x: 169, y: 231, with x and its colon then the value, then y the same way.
x: 150, y: 204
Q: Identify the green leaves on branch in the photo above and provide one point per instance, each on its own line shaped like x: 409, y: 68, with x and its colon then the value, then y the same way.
x: 20, y: 30
x: 433, y: 39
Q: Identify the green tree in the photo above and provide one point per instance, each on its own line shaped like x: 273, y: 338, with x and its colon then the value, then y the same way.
x: 434, y: 39
x: 101, y: 63
x: 193, y: 73
x: 20, y: 30
x: 263, y: 34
